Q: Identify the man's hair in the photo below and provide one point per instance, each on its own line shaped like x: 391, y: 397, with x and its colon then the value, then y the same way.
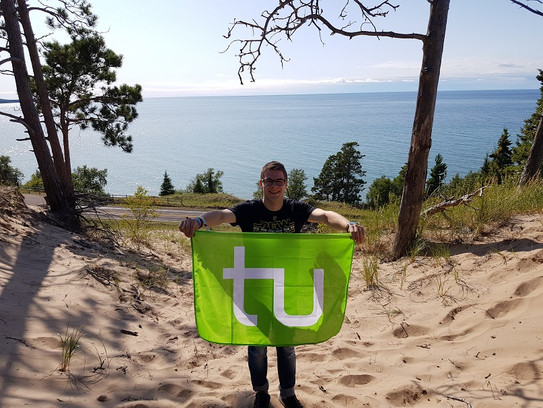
x: 274, y: 165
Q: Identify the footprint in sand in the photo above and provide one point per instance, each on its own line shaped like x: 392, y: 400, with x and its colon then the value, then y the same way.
x: 405, y: 396
x: 406, y: 330
x: 182, y: 393
x: 342, y: 400
x: 231, y: 373
x: 315, y: 357
x: 524, y: 289
x: 45, y: 343
x: 527, y: 371
x: 356, y: 379
x: 344, y: 353
x: 452, y: 337
x: 503, y: 308
x: 451, y: 316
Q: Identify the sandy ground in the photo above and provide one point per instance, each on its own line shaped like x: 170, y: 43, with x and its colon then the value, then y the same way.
x: 458, y: 331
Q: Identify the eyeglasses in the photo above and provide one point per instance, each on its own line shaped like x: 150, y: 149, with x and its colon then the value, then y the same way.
x: 271, y: 182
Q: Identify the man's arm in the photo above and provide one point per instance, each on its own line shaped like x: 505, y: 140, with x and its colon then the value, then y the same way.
x: 338, y: 222
x: 211, y: 218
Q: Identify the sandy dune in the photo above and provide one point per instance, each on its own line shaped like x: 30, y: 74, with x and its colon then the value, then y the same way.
x: 438, y: 333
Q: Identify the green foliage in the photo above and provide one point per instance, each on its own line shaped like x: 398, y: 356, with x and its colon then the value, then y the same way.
x: 371, y: 271
x: 142, y: 210
x: 297, y: 188
x: 89, y: 180
x: 205, y: 183
x: 9, y: 175
x: 70, y: 344
x: 459, y: 186
x: 525, y: 139
x: 258, y: 194
x: 438, y: 173
x: 341, y: 176
x: 79, y: 77
x: 167, y: 187
x: 384, y: 191
x: 35, y: 182
x: 379, y: 192
x: 502, y: 155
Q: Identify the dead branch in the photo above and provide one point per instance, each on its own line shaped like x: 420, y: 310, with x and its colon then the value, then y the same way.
x: 525, y: 6
x: 465, y: 401
x: 290, y: 15
x: 453, y: 202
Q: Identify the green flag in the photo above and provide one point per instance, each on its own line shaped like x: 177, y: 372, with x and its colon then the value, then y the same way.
x: 270, y: 289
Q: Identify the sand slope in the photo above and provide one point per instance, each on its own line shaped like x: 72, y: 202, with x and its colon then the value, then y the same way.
x: 468, y: 327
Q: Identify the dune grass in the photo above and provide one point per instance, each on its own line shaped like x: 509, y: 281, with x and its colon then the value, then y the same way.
x: 493, y: 208
x: 70, y: 343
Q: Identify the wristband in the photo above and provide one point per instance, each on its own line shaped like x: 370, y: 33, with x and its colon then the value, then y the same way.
x: 204, y: 222
x: 199, y: 221
x: 349, y: 224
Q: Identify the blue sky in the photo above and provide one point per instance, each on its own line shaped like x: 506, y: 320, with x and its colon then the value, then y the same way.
x: 174, y: 48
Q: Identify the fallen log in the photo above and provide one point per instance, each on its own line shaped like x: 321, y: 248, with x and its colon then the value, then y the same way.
x: 453, y: 202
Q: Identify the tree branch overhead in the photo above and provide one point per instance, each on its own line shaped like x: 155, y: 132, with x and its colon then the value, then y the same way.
x: 290, y: 15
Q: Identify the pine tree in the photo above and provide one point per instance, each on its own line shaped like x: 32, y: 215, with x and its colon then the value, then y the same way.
x: 501, y: 157
x: 296, y: 184
x: 167, y: 187
x: 341, y: 176
x: 438, y: 173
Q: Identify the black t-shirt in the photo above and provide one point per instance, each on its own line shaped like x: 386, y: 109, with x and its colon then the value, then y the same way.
x: 253, y: 216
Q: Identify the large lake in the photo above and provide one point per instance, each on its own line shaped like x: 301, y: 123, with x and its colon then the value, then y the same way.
x: 237, y: 135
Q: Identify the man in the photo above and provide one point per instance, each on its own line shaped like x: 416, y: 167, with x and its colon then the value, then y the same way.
x: 274, y: 213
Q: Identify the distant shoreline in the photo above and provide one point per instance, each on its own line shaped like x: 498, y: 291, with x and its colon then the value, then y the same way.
x: 9, y: 100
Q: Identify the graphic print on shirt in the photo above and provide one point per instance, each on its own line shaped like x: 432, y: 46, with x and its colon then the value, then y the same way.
x: 283, y: 225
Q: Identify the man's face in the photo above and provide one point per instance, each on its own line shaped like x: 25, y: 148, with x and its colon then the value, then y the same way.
x: 273, y: 184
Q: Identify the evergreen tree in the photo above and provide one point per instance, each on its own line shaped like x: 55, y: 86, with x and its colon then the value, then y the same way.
x: 79, y: 77
x: 296, y: 184
x: 341, y: 176
x: 397, y: 183
x: 486, y: 168
x: 167, y: 187
x: 9, y: 175
x: 208, y: 182
x: 501, y: 157
x: 438, y: 173
x: 526, y: 137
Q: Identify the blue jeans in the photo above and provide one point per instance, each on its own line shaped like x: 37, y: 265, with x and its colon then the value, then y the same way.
x: 286, y: 368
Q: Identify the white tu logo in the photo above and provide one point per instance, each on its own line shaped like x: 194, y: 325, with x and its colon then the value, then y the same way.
x: 239, y: 273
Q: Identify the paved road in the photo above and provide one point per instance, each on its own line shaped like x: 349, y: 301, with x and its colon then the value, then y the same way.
x: 163, y: 214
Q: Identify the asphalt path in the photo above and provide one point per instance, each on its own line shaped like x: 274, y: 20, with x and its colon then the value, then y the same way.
x: 163, y: 214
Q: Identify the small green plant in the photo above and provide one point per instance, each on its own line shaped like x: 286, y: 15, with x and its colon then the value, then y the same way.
x: 142, y: 210
x: 441, y: 252
x: 418, y: 247
x: 391, y: 313
x: 70, y: 344
x: 370, y: 270
x: 443, y: 288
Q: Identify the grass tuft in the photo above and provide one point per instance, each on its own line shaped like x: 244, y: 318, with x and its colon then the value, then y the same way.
x: 70, y: 344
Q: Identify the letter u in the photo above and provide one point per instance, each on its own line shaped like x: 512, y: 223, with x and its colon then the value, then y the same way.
x: 279, y: 300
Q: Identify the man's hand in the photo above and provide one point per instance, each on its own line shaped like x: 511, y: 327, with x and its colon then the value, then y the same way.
x: 358, y: 234
x: 188, y: 226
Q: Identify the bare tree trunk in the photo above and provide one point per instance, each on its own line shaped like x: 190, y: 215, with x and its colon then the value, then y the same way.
x: 51, y: 181
x: 421, y: 138
x: 62, y: 169
x: 533, y: 163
